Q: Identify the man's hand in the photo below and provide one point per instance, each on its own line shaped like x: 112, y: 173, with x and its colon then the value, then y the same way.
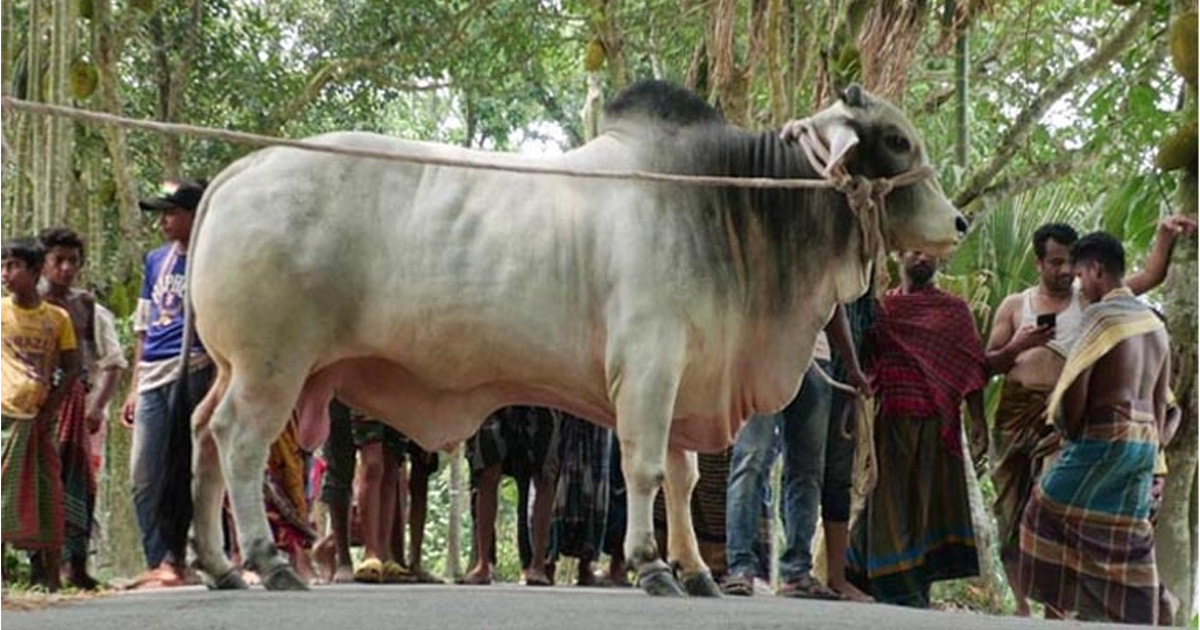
x: 979, y: 449
x: 1175, y: 225
x: 1030, y: 336
x: 859, y: 381
x: 129, y: 409
x: 95, y: 418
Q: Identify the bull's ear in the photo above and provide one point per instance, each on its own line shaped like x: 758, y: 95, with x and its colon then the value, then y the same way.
x: 853, y: 95
x: 827, y: 137
x: 840, y: 137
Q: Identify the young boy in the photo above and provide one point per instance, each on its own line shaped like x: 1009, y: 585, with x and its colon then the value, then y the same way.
x: 82, y: 412
x: 160, y: 459
x: 37, y: 339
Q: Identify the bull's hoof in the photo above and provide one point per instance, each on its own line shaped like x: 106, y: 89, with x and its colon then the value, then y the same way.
x: 231, y: 581
x: 657, y: 580
x: 283, y: 578
x: 701, y: 584
x: 277, y: 575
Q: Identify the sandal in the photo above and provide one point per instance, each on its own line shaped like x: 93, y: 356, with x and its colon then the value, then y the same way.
x: 369, y: 572
x: 738, y: 585
x: 394, y: 573
x: 807, y: 587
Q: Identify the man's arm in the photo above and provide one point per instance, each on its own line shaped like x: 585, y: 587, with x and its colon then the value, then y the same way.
x: 109, y: 364
x: 69, y: 362
x: 129, y: 409
x: 1168, y: 415
x: 1154, y: 272
x: 1006, y: 343
x: 978, y: 431
x: 838, y: 331
x: 105, y: 388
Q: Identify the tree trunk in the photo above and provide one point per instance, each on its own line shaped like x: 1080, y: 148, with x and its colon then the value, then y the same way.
x: 609, y: 32
x: 168, y: 143
x: 776, y: 77
x: 962, y: 70
x: 60, y: 161
x: 37, y: 125
x: 1176, y: 532
x: 106, y: 47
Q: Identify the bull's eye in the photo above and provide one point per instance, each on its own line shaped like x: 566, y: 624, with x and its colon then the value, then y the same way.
x: 896, y: 143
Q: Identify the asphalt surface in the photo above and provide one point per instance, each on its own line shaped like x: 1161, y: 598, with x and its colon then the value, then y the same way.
x: 500, y: 607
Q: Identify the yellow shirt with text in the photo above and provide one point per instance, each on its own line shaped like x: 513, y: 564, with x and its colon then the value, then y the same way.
x: 32, y: 339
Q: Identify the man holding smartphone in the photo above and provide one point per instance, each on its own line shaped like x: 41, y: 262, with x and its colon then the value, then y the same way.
x: 1031, y: 335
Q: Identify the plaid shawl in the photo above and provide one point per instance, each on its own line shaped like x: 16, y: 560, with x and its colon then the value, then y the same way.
x: 1117, y: 317
x: 926, y: 356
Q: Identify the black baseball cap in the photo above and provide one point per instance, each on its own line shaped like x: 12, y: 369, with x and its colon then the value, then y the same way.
x: 183, y: 194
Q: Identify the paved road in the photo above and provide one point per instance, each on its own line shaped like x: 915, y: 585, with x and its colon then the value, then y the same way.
x: 494, y: 607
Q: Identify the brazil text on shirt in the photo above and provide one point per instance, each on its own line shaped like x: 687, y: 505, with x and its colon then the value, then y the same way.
x: 168, y: 289
x: 24, y: 344
x: 163, y: 288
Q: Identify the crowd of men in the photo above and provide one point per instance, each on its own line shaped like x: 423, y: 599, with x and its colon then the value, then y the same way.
x: 1075, y: 445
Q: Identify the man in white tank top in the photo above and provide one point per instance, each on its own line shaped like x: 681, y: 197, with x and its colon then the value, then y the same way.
x: 1031, y: 356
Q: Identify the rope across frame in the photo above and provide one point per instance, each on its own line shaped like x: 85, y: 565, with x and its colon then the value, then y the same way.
x: 241, y: 137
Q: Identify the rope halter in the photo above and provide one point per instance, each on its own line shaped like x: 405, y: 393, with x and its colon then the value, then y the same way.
x: 866, y: 197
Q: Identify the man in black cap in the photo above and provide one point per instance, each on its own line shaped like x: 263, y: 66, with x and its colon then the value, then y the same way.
x: 161, y: 454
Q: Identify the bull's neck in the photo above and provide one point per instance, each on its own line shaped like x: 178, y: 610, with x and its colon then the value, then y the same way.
x: 809, y: 236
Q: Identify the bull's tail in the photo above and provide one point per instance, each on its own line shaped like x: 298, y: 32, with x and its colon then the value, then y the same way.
x: 176, y: 510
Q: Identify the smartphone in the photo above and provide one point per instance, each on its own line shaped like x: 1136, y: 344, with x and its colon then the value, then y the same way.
x: 1045, y: 319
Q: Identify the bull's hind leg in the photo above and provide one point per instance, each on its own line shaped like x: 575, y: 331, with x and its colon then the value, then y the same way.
x: 249, y: 418
x: 208, y: 489
x: 682, y: 475
x: 644, y: 404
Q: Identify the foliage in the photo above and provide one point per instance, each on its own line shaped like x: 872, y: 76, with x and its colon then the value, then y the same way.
x: 16, y: 569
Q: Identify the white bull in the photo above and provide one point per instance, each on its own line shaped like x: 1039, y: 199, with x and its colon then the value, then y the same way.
x: 430, y: 296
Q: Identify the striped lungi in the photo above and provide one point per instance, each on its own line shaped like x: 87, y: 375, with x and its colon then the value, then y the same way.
x: 1087, y: 545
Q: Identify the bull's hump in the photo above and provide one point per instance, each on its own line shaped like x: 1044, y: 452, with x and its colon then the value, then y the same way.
x: 661, y: 103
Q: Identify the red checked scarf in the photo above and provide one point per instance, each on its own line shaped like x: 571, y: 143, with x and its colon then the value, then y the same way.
x: 927, y: 356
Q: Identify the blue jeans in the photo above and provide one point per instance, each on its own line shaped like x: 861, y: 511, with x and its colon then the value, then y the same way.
x: 148, y: 462
x: 805, y: 430
x: 747, y: 491
x: 803, y: 427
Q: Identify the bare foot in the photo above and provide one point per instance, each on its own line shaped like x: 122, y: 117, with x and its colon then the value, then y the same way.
x: 850, y: 592
x: 303, y: 566
x: 481, y: 574
x: 324, y: 555
x: 162, y: 576
x: 536, y: 577
x: 343, y: 574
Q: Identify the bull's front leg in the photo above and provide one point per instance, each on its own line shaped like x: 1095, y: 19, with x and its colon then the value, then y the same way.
x: 250, y: 416
x: 682, y: 475
x: 645, y: 401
